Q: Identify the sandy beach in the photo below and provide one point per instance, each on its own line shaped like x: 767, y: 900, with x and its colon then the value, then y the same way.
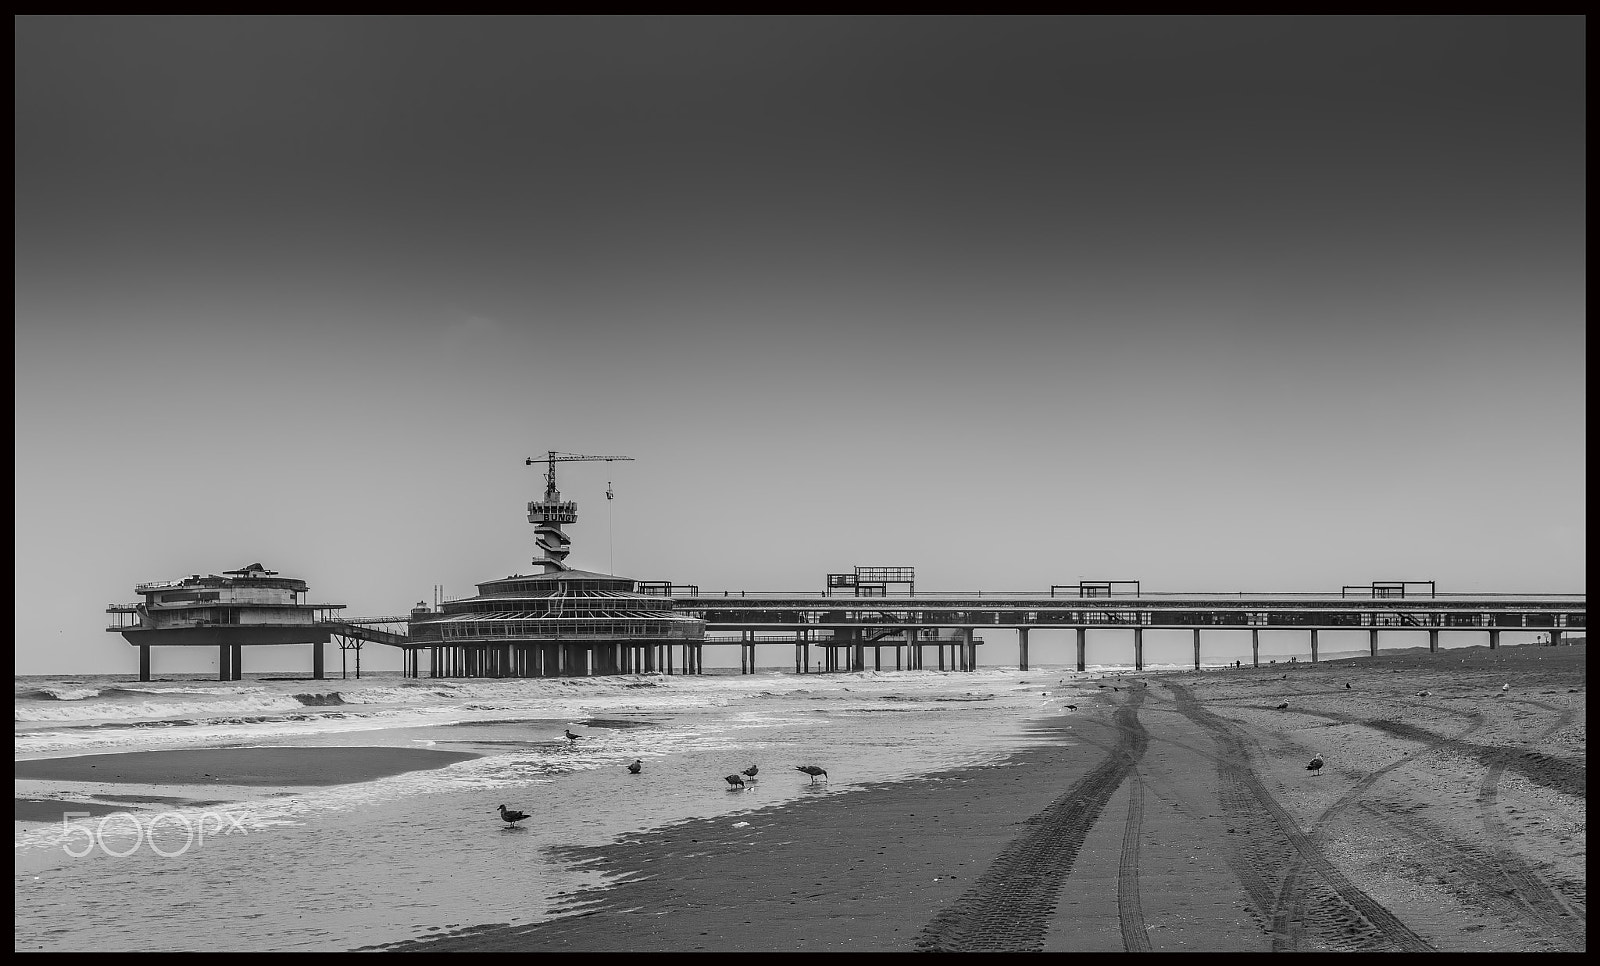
x: 1166, y: 812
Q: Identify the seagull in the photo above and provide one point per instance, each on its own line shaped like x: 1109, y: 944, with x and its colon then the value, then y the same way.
x: 1316, y: 766
x: 1347, y: 685
x: 634, y: 768
x: 735, y: 781
x: 1072, y: 707
x: 1505, y: 687
x: 1423, y: 694
x: 813, y: 771
x: 750, y: 772
x: 571, y: 736
x: 1283, y: 706
x: 511, y: 818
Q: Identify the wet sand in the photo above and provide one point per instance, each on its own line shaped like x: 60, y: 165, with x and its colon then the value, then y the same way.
x: 215, y: 766
x: 1175, y: 815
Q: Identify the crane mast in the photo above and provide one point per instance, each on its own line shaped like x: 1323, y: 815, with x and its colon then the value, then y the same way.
x: 549, y: 514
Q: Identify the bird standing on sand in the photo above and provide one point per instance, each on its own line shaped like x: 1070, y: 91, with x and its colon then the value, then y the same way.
x: 750, y: 772
x: 571, y: 736
x: 511, y: 818
x: 1423, y: 694
x: 1505, y: 687
x: 633, y: 769
x: 735, y: 781
x: 1347, y: 685
x: 1284, y: 706
x: 1316, y: 766
x: 813, y: 771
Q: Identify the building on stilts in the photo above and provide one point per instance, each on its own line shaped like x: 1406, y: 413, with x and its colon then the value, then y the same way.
x: 562, y: 622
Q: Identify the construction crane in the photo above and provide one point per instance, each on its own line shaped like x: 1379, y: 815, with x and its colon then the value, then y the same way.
x: 552, y: 458
x: 549, y: 514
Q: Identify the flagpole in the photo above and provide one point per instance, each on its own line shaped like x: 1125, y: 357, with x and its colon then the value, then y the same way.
x: 611, y: 542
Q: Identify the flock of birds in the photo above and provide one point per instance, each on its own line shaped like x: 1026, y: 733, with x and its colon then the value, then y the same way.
x: 737, y: 780
x: 741, y: 779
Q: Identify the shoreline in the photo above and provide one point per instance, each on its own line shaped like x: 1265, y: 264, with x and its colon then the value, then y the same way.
x: 1177, y: 815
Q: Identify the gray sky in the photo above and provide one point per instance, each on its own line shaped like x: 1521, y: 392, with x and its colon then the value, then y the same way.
x: 1219, y: 304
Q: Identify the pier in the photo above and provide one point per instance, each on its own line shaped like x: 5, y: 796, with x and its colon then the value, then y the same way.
x: 565, y: 622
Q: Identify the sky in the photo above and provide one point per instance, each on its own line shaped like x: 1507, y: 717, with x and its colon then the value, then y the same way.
x: 1229, y: 304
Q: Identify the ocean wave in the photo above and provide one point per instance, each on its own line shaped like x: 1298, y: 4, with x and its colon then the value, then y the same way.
x: 319, y: 700
x: 226, y: 705
x: 57, y: 694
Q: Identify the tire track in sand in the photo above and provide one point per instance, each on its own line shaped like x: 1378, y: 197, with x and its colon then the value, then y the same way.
x: 1561, y: 916
x: 1135, y: 937
x: 1340, y: 902
x: 1009, y: 908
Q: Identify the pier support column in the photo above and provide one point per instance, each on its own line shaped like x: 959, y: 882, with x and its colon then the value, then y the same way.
x: 1555, y: 637
x: 1022, y: 648
x: 858, y: 656
x: 1255, y: 647
x: 969, y: 651
x: 1138, y: 649
x: 1197, y: 648
x: 1083, y: 646
x: 1372, y: 642
x: 1494, y: 640
x: 316, y: 660
x: 224, y: 662
x: 1433, y: 640
x: 1313, y: 645
x: 238, y: 662
x: 877, y: 657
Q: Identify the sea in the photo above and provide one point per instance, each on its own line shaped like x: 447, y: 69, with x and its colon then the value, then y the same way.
x: 369, y: 862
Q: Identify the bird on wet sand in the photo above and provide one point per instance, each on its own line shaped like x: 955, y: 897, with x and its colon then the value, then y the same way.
x: 511, y: 817
x: 1505, y: 687
x: 634, y: 768
x: 1283, y: 706
x: 1315, y: 767
x: 813, y: 771
x: 1347, y: 685
x: 571, y: 736
x: 1423, y: 694
x: 750, y: 772
x: 734, y: 781
x: 1072, y: 707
